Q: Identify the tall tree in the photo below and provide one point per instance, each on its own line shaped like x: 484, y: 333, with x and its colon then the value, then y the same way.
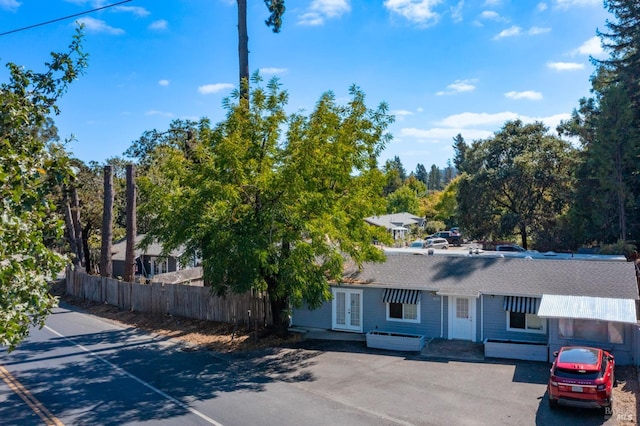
x: 421, y: 173
x: 106, y: 265
x: 514, y: 182
x: 459, y: 149
x: 28, y: 176
x: 273, y: 211
x: 276, y: 10
x: 395, y: 175
x: 435, y: 179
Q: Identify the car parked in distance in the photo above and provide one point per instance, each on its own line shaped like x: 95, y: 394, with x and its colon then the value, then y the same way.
x: 417, y: 244
x: 436, y: 242
x: 581, y: 377
x: 452, y: 238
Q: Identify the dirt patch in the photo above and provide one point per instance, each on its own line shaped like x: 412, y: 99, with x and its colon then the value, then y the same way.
x: 626, y: 405
x: 197, y: 334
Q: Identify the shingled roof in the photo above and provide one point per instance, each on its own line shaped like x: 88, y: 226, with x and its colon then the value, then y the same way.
x: 472, y: 275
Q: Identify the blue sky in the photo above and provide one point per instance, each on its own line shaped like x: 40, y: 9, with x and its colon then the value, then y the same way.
x: 443, y: 66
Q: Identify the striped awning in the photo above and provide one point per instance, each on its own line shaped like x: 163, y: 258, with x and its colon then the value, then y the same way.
x: 523, y: 305
x: 399, y: 295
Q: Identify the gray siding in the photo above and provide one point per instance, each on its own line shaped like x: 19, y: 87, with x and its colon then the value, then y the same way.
x: 623, y: 352
x: 317, y: 318
x: 375, y: 315
x: 495, y: 323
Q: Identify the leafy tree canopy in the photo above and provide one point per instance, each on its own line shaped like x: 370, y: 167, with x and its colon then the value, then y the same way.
x: 514, y: 182
x: 274, y: 202
x: 28, y: 173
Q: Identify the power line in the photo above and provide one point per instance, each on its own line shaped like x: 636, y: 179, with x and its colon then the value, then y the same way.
x: 66, y: 17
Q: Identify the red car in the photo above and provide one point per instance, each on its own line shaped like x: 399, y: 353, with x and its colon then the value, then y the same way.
x: 581, y: 377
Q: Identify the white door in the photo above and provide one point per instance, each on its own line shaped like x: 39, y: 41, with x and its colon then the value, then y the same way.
x: 347, y: 309
x: 462, y: 318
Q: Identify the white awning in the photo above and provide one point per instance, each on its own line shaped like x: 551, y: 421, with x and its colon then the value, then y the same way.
x: 585, y: 307
x: 399, y: 295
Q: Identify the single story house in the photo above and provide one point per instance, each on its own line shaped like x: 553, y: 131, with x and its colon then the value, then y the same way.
x: 398, y: 224
x: 149, y: 262
x: 527, y: 307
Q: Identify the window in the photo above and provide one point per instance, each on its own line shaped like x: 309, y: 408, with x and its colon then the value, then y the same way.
x: 530, y: 323
x: 592, y: 330
x: 403, y: 312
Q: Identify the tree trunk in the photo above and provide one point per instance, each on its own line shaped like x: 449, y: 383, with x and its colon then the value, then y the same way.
x: 70, y: 229
x: 243, y: 49
x: 524, y: 236
x: 130, y: 255
x: 75, y: 215
x: 106, y: 266
x: 279, y: 312
x: 620, y: 194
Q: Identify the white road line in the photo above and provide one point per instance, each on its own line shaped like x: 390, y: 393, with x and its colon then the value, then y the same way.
x: 137, y: 379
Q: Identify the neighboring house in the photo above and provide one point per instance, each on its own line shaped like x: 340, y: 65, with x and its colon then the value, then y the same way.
x: 545, y: 302
x: 398, y: 224
x: 149, y: 262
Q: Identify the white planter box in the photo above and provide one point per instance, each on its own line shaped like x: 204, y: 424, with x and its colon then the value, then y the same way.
x: 514, y: 349
x: 395, y: 341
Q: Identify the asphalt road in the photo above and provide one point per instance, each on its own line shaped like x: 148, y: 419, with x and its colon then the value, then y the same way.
x: 82, y: 370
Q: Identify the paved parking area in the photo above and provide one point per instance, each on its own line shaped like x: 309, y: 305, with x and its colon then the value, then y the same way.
x: 410, y: 389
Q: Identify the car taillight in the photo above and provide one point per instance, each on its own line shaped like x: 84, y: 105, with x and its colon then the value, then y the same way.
x: 601, y: 387
x: 553, y: 382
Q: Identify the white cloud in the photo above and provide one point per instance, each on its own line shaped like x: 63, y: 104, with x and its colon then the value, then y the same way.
x: 469, y: 119
x: 566, y: 4
x: 456, y: 11
x: 527, y: 94
x: 538, y: 30
x: 272, y: 70
x: 208, y: 89
x: 565, y: 66
x: 474, y: 126
x: 490, y: 15
x: 509, y: 32
x: 159, y: 25
x: 319, y: 10
x: 492, y: 2
x: 416, y: 11
x: 459, y: 86
x: 136, y: 10
x: 541, y: 7
x: 163, y: 82
x: 592, y: 47
x: 99, y: 26
x: 401, y: 114
x: 159, y: 113
x: 11, y: 5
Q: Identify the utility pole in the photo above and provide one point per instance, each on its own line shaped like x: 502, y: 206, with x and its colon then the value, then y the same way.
x: 130, y: 256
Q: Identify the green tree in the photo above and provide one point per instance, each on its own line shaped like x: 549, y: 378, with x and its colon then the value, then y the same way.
x: 403, y: 199
x: 435, y: 179
x: 28, y: 176
x: 459, y: 149
x: 395, y: 175
x: 421, y: 173
x: 272, y: 211
x: 514, y: 182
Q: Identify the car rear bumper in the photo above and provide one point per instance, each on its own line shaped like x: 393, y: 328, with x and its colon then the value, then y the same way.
x: 583, y: 403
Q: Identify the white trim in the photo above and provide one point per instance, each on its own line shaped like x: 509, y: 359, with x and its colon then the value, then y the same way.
x: 525, y: 329
x: 347, y: 326
x: 417, y: 320
x: 452, y: 313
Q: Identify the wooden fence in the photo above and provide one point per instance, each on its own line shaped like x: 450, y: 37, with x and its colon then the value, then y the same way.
x: 174, y: 299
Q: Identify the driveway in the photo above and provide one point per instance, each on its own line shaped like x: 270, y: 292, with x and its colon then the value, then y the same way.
x: 82, y: 370
x: 407, y: 389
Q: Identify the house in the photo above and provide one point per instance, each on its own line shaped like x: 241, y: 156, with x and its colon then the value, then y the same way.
x: 149, y: 262
x: 522, y: 308
x: 398, y: 224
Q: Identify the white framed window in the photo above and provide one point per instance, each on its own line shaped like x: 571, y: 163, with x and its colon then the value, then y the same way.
x: 528, y: 323
x: 591, y: 330
x: 406, y: 312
